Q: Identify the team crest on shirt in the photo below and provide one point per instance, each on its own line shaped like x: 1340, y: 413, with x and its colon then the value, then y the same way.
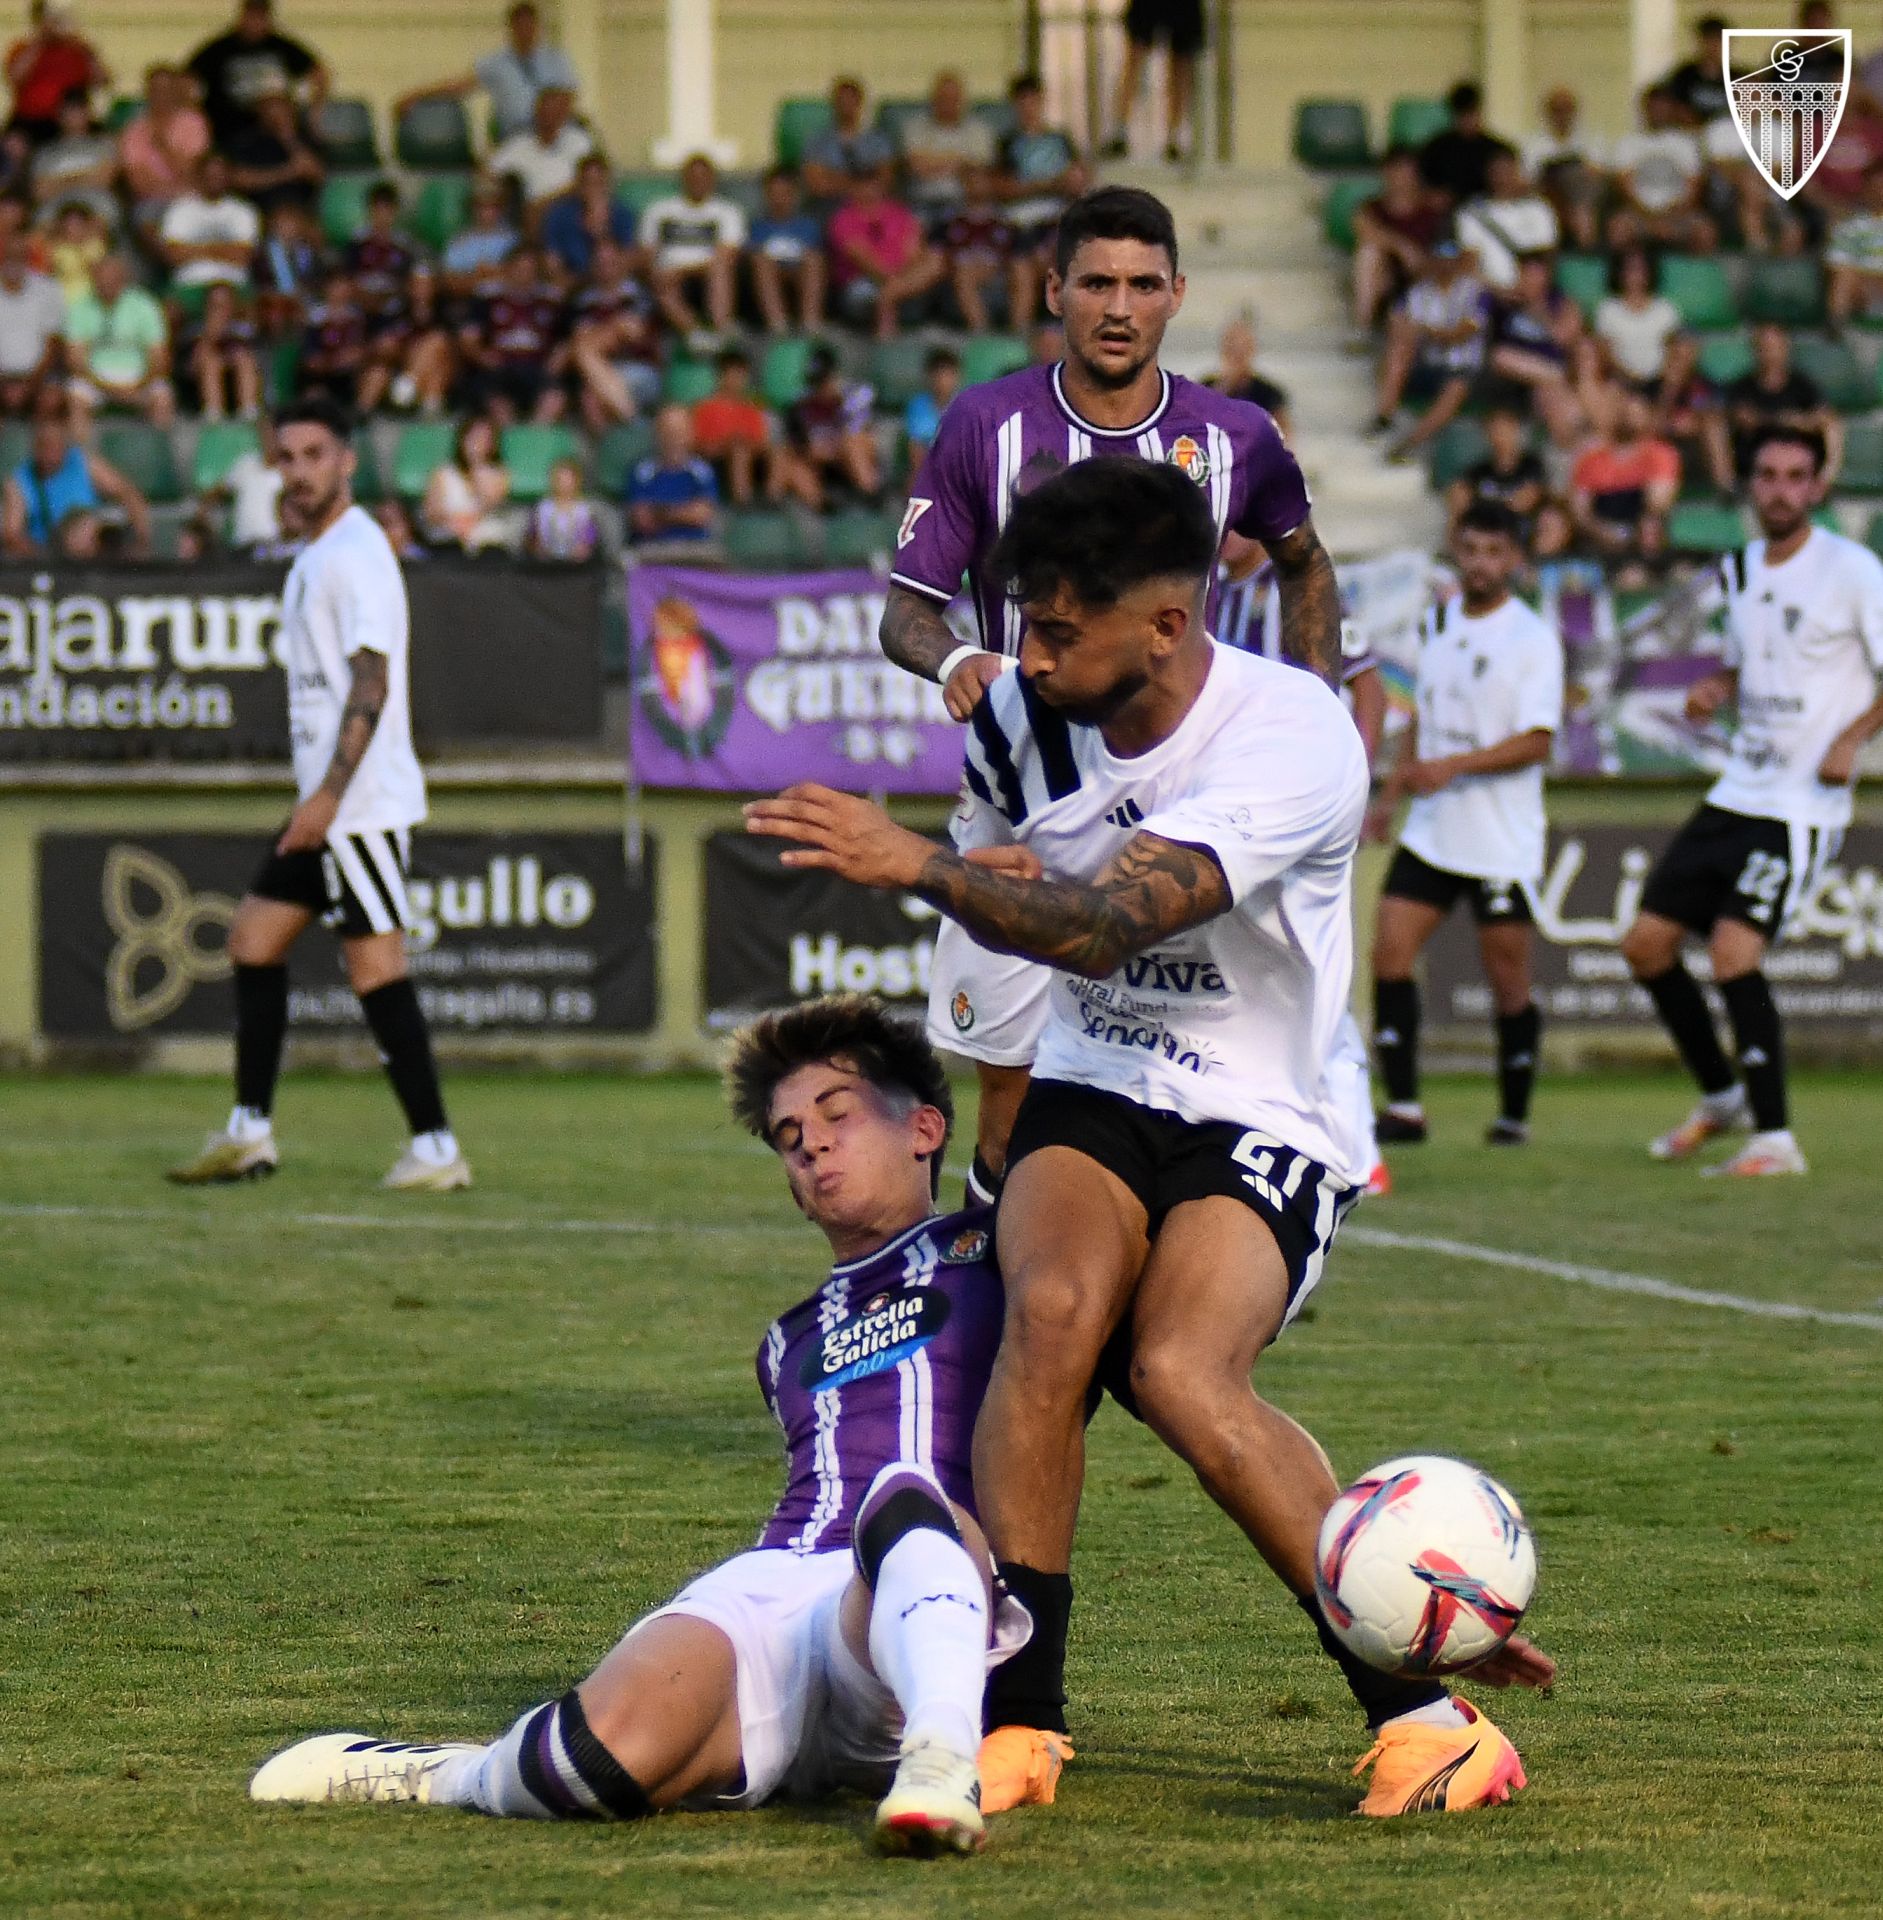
x: 961, y: 1011
x: 1188, y: 457
x: 968, y: 1246
x: 884, y: 1331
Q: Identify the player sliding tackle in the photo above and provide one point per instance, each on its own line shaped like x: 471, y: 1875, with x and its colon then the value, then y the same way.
x: 1170, y: 825
x: 854, y: 1640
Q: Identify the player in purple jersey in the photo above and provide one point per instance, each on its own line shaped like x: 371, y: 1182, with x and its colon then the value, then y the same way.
x: 1115, y: 286
x: 852, y: 1643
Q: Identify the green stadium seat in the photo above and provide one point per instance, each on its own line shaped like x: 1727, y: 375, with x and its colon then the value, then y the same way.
x: 1413, y: 121
x: 799, y: 123
x: 1862, y: 471
x: 343, y: 205
x: 434, y: 136
x: 896, y: 370
x: 1698, y: 526
x: 529, y: 451
x: 1873, y: 534
x: 987, y: 356
x: 142, y: 453
x: 688, y: 381
x: 781, y: 377
x: 442, y: 210
x: 859, y: 537
x: 122, y: 111
x: 762, y: 537
x: 1790, y: 291
x: 423, y: 446
x: 638, y: 191
x: 344, y: 129
x: 1584, y: 277
x: 620, y: 450
x: 219, y: 445
x: 1725, y: 356
x: 16, y: 442
x: 894, y: 116
x: 1698, y: 286
x: 746, y: 191
x: 282, y: 368
x: 1345, y: 198
x: 1331, y: 135
x: 369, y: 483
x: 1460, y: 445
x: 1835, y: 368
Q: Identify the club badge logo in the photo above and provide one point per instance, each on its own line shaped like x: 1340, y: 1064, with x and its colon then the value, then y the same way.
x: 968, y: 1246
x: 685, y: 682
x: 961, y: 1010
x: 1787, y: 91
x: 1187, y: 456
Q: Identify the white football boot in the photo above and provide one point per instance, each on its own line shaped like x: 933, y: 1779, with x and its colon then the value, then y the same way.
x: 350, y: 1767
x: 226, y: 1159
x: 1716, y: 1114
x: 1764, y: 1154
x: 410, y: 1174
x: 934, y: 1804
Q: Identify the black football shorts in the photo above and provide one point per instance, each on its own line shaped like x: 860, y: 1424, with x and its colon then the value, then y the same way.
x: 1493, y: 902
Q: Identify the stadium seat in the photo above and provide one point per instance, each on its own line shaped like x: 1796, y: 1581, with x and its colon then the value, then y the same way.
x: 1790, y: 291
x: 1413, y: 121
x: 997, y: 113
x: 343, y: 205
x: 1698, y: 286
x: 1345, y: 197
x: 187, y: 302
x: 1873, y: 534
x: 282, y: 366
x: 1700, y: 526
x: 434, y: 136
x: 423, y: 446
x: 1460, y: 445
x: 123, y: 110
x: 369, y: 483
x: 1835, y: 368
x: 344, y: 129
x: 441, y: 210
x: 219, y: 446
x: 617, y: 454
x: 859, y: 537
x: 688, y: 381
x: 896, y: 370
x: 760, y: 537
x: 746, y: 191
x: 1725, y: 356
x: 638, y: 191
x: 1584, y: 277
x: 16, y: 442
x: 142, y: 454
x: 1862, y: 471
x: 1331, y: 135
x: 529, y: 451
x: 986, y: 356
x: 799, y: 123
x: 781, y: 378
x: 894, y: 116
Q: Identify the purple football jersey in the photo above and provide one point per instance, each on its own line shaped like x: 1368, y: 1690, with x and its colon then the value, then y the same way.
x: 887, y: 1360
x: 1000, y: 439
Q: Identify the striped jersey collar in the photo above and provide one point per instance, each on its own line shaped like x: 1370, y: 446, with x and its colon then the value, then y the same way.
x: 1084, y: 425
x: 845, y: 1268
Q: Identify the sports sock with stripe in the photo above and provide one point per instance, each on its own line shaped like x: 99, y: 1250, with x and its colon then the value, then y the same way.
x: 1517, y: 1036
x: 1689, y: 1022
x: 261, y: 1027
x: 1030, y: 1689
x: 549, y: 1766
x: 1759, y: 1036
x: 1396, y: 1038
x: 928, y: 1636
x: 405, y: 1045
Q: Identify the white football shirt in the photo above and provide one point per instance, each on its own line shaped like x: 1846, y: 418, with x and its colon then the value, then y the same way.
x: 345, y: 593
x: 1807, y: 639
x: 1481, y: 679
x: 1234, y: 1020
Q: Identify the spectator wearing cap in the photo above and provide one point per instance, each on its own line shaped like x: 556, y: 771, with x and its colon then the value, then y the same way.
x: 77, y: 163
x: 672, y: 495
x: 829, y: 439
x: 1394, y: 234
x: 846, y: 147
x: 117, y: 345
x: 32, y: 319
x: 1435, y: 341
x: 249, y: 61
x: 575, y: 221
x: 921, y: 418
x: 159, y: 148
x: 57, y: 478
x: 475, y: 252
x: 878, y: 256
x: 614, y: 340
x: 1456, y: 161
x: 542, y: 158
x: 942, y: 146
x: 692, y: 239
x: 210, y: 232
x: 509, y: 77
x: 271, y: 159
x: 50, y: 62
x: 732, y: 430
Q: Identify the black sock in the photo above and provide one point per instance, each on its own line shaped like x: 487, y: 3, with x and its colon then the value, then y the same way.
x: 983, y: 1183
x: 1760, y: 1040
x: 1382, y: 1696
x: 1517, y: 1035
x: 261, y: 1025
x: 1030, y: 1689
x: 1396, y: 1038
x: 1689, y: 1021
x: 405, y: 1044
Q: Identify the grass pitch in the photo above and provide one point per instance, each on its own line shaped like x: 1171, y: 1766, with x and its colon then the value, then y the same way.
x: 306, y: 1455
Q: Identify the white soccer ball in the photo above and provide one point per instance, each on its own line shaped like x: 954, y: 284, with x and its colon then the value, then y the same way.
x: 1425, y: 1565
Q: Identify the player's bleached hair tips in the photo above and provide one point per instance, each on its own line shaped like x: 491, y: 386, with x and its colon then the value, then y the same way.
x: 1103, y: 527
x: 1115, y: 213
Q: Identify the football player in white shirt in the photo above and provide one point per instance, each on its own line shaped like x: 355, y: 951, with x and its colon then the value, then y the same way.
x: 1804, y: 651
x: 1489, y: 702
x: 1170, y: 825
x: 344, y: 853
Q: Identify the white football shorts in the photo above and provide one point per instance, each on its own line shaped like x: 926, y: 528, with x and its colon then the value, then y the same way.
x: 989, y: 1006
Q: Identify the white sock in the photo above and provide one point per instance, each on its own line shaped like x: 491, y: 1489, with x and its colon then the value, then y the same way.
x: 1775, y: 1140
x: 928, y: 1637
x: 1441, y: 1713
x: 454, y: 1780
x: 248, y: 1126
x: 436, y: 1149
x: 492, y: 1781
x: 1722, y: 1105
x: 1406, y: 1109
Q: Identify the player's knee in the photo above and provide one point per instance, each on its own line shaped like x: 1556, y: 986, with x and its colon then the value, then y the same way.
x: 904, y: 1496
x: 1056, y: 1324
x: 1647, y: 950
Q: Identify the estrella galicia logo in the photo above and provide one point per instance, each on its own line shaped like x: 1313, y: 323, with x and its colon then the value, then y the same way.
x: 886, y: 1329
x: 685, y: 682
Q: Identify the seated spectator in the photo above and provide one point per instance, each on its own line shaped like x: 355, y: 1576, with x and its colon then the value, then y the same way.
x: 1512, y: 475
x: 1535, y: 341
x: 75, y: 244
x: 1570, y: 167
x: 1658, y: 177
x: 289, y: 267
x: 58, y: 477
x: 1046, y: 344
x: 786, y: 249
x: 411, y: 357
x: 542, y: 159
x: 563, y: 525
x: 271, y: 159
x: 1039, y: 172
x: 219, y: 360
x: 1854, y: 257
x: 1776, y: 394
x: 878, y: 257
x: 1394, y: 234
x: 249, y: 60
x: 1698, y: 85
x: 1639, y: 338
x: 334, y: 352
x: 828, y: 437
x: 574, y: 221
x: 1435, y: 341
x: 692, y: 239
x: 1836, y: 186
x: 509, y: 78
x: 46, y: 67
x: 466, y: 498
x: 247, y: 499
x: 78, y: 163
x: 732, y: 430
x: 673, y: 499
x: 1623, y: 484
x: 79, y: 536
x: 1693, y: 416
x: 379, y: 258
x: 511, y: 345
x: 1456, y: 161
x: 941, y: 147
x: 117, y: 345
x: 475, y: 252
x: 395, y: 522
x: 921, y: 418
x: 159, y: 150
x: 614, y: 341
x: 196, y: 539
x: 1236, y: 375
x: 210, y: 232
x: 1509, y: 219
x: 845, y: 148
x: 32, y: 317
x: 980, y: 245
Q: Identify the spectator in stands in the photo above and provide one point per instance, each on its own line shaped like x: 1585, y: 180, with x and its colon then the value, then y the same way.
x: 942, y: 146
x: 1835, y: 188
x: 334, y: 346
x: 1178, y: 26
x: 1854, y: 257
x: 732, y: 431
x: 828, y: 436
x: 246, y: 63
x: 786, y: 251
x: 74, y: 246
x: 288, y: 268
x: 1508, y: 220
x: 980, y: 246
x: 510, y: 77
x: 58, y: 477
x: 1774, y: 393
x: 846, y: 147
x: 1394, y: 234
x: 79, y: 536
x: 878, y: 256
x: 1512, y: 474
x: 673, y: 498
x: 32, y: 317
x: 77, y: 163
x: 511, y: 345
x: 379, y: 257
x: 921, y: 418
x: 589, y: 212
x: 1693, y: 416
x: 542, y: 158
x: 475, y: 252
x: 1698, y: 85
x: 1047, y: 344
x: 271, y: 159
x: 1658, y: 177
x: 210, y: 232
x: 117, y: 345
x: 395, y: 522
x: 50, y: 63
x: 1639, y: 339
x: 411, y: 358
x: 1623, y: 485
x: 1456, y: 161
x: 1570, y: 166
x: 1435, y: 340
x: 1236, y: 373
x: 614, y: 341
x: 246, y: 501
x: 1040, y: 172
x: 692, y: 239
x: 466, y: 498
x: 563, y: 525
x: 219, y: 358
x: 160, y: 148
x: 1535, y: 342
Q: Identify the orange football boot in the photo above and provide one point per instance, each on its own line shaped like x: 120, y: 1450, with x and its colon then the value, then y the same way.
x: 1020, y: 1767
x: 1425, y: 1769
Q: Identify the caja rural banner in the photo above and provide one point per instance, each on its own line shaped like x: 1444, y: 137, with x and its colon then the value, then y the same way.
x: 171, y: 663
x: 743, y: 683
x: 1827, y: 975
x: 516, y: 933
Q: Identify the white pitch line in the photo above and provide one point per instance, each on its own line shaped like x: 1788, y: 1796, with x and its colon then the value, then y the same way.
x: 1612, y: 1282
x: 439, y: 1223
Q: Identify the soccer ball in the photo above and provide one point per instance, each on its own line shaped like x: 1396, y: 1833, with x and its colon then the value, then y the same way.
x: 1424, y: 1565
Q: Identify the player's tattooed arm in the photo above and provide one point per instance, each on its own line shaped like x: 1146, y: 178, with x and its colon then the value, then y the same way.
x: 359, y: 718
x: 1310, y: 602
x: 916, y: 635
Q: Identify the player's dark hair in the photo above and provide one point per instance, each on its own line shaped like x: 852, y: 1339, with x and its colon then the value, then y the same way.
x: 1466, y: 97
x: 1115, y: 213
x: 854, y: 1031
x: 1024, y: 83
x: 1491, y: 516
x: 382, y: 193
x: 316, y: 410
x: 1103, y: 527
x: 1779, y: 436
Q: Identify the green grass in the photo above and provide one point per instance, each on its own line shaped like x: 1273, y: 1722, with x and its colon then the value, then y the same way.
x: 265, y: 1476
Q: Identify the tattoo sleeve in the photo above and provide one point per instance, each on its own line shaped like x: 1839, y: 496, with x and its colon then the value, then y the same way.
x: 366, y: 700
x: 1310, y: 602
x: 914, y: 633
x: 1151, y: 889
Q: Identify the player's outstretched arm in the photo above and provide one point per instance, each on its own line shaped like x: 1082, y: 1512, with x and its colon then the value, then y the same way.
x: 1310, y: 602
x: 916, y: 635
x: 359, y: 719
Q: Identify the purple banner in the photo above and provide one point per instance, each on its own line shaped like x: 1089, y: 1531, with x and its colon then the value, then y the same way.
x: 744, y: 683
